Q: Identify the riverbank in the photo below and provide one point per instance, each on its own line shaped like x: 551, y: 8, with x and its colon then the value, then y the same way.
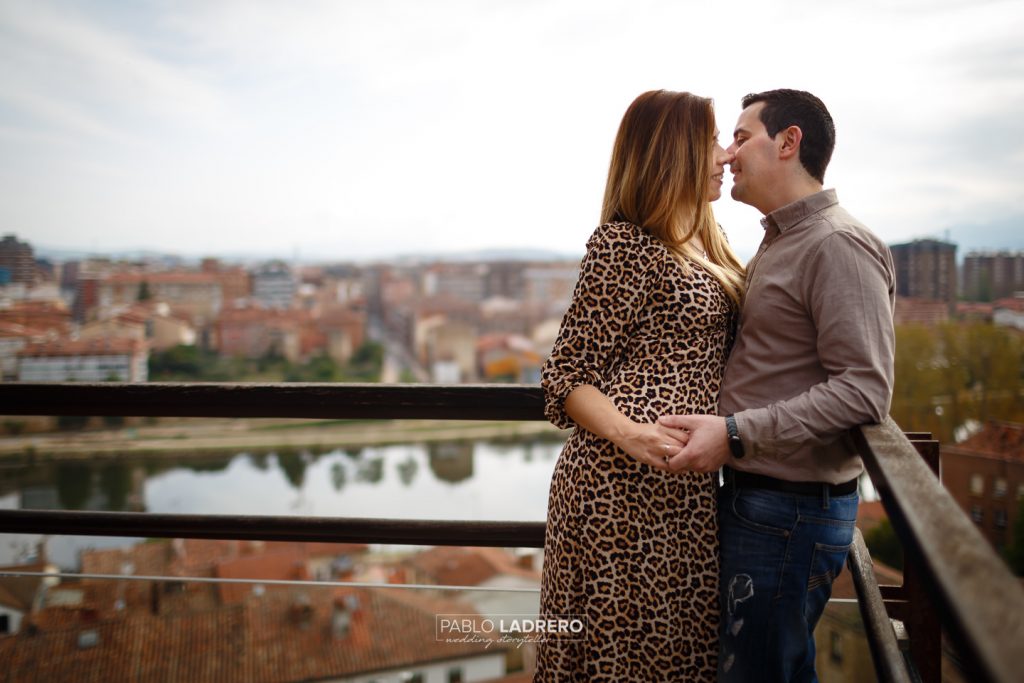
x: 208, y: 436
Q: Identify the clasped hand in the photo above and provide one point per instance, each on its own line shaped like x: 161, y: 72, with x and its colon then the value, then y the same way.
x: 706, y: 447
x: 678, y: 443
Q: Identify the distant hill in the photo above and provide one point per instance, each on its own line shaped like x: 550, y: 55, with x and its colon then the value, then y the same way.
x: 149, y: 255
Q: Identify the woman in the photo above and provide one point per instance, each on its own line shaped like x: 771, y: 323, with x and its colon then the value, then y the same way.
x: 631, y: 548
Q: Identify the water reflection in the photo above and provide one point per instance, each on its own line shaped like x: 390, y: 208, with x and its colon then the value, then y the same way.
x: 293, y: 464
x: 74, y: 485
x: 458, y: 480
x: 452, y: 462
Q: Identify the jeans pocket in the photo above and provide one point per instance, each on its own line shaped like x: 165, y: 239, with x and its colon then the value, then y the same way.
x: 763, y: 512
x: 826, y: 564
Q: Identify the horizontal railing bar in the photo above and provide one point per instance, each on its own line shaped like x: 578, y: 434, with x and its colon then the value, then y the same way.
x: 266, y: 582
x: 297, y: 400
x: 297, y: 582
x: 885, y: 650
x: 271, y: 528
x: 981, y: 602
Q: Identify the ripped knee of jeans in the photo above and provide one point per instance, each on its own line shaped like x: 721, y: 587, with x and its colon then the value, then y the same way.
x: 741, y: 589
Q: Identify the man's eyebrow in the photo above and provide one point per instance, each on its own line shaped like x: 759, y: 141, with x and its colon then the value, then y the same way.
x: 740, y: 129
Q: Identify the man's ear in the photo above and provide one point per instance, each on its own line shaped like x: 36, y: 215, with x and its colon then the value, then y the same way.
x: 789, y: 142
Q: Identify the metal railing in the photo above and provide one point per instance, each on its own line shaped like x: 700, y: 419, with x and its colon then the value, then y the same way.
x: 953, y: 578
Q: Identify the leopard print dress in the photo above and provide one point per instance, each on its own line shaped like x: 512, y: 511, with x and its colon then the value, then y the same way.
x: 631, y: 549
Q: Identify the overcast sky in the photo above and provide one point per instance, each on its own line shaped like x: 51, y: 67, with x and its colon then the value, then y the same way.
x: 354, y: 129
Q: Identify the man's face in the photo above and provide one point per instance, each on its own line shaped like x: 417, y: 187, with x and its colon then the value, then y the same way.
x: 754, y: 157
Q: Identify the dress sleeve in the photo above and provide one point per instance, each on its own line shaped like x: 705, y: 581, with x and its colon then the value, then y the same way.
x: 609, y: 294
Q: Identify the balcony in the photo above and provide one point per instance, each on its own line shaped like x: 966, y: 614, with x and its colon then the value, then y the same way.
x: 953, y: 582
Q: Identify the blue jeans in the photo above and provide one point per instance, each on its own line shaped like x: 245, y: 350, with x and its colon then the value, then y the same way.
x: 779, y: 555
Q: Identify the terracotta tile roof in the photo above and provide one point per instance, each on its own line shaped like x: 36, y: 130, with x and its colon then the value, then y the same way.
x: 284, y: 636
x: 386, y: 632
x: 18, y: 330
x: 339, y: 317
x: 287, y: 564
x: 1000, y: 440
x: 111, y: 346
x: 463, y: 566
x: 1012, y: 304
x: 42, y: 307
x: 197, y: 647
x: 976, y: 307
x: 147, y: 559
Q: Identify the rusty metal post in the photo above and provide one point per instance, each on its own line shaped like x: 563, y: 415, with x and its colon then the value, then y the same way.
x: 924, y: 626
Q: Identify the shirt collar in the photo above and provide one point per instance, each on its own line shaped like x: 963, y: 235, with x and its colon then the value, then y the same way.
x: 787, y: 216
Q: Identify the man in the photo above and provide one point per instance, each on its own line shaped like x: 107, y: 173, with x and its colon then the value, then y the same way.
x: 813, y: 358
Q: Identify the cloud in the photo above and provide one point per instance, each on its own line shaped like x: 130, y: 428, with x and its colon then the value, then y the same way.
x: 352, y: 127
x: 67, y: 72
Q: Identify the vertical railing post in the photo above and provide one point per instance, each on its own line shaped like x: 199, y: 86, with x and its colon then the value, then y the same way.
x: 921, y: 619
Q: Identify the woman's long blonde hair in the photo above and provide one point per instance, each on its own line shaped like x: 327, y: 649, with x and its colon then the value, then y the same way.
x: 659, y: 177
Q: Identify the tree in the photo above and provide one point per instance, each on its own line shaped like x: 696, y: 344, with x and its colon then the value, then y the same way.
x: 992, y: 357
x: 366, y: 363
x: 918, y: 380
x: 320, y: 368
x: 884, y: 545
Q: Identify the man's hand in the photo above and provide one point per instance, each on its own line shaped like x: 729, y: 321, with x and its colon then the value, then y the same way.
x: 708, y: 446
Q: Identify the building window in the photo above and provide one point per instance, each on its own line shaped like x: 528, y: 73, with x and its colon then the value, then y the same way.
x: 455, y: 675
x: 977, y: 485
x: 412, y: 677
x: 977, y: 514
x: 5, y: 624
x: 999, y: 487
x: 999, y: 519
x: 836, y: 647
x: 1020, y: 491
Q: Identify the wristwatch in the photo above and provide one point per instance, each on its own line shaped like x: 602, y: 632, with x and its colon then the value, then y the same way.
x: 735, y: 443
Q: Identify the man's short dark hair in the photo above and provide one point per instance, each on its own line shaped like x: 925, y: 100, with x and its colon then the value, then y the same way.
x: 784, y: 108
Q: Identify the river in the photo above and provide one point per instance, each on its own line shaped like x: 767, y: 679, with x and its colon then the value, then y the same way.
x: 470, y: 480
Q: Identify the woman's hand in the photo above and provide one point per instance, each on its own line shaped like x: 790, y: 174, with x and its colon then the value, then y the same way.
x: 651, y: 444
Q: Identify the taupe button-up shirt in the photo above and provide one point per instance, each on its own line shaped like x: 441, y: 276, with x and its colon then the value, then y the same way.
x: 814, y: 351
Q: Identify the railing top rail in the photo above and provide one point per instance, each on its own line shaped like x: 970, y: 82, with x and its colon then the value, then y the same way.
x: 298, y: 400
x: 982, y: 603
x: 275, y: 528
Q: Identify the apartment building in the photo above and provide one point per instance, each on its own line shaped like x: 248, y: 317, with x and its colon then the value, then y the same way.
x: 985, y: 475
x: 92, y: 360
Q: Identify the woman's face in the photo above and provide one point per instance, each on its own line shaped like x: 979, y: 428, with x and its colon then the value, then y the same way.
x: 719, y: 158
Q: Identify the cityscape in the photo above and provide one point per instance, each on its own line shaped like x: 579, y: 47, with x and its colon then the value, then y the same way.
x: 960, y: 327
